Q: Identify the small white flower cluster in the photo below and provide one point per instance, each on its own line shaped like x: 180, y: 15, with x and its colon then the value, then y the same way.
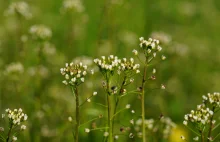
x: 21, y: 8
x: 213, y: 99
x: 204, y: 112
x: 73, y: 5
x: 128, y: 65
x: 150, y: 47
x: 16, y: 117
x: 14, y: 68
x: 113, y: 63
x: 74, y: 74
x: 201, y: 116
x: 164, y: 126
x: 40, y: 32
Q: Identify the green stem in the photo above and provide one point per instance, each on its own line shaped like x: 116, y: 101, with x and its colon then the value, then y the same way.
x: 143, y: 104
x: 109, y: 113
x: 211, y: 126
x: 89, y: 121
x: 76, y: 136
x: 109, y: 119
x: 9, y: 132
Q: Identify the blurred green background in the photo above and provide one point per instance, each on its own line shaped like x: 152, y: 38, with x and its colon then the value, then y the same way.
x: 188, y: 30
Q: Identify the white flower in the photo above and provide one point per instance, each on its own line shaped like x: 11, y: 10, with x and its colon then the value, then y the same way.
x: 182, y: 137
x: 196, y: 138
x: 82, y: 79
x: 128, y: 106
x: 154, y: 71
x: 70, y: 119
x: 163, y: 57
x: 132, y: 111
x: 94, y: 93
x: 132, y: 121
x: 106, y: 134
x: 185, y: 122
x: 116, y: 137
x: 14, y: 138
x: 23, y: 127
x: 163, y: 86
x: 135, y: 52
x: 87, y: 130
x: 88, y: 100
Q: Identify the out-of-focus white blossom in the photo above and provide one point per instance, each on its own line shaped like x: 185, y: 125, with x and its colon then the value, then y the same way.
x: 40, y: 32
x: 73, y: 5
x: 21, y: 8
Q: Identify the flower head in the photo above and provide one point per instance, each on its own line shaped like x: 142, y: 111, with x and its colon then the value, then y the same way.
x: 40, y: 32
x: 21, y: 8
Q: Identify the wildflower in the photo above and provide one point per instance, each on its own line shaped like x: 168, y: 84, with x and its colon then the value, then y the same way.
x: 16, y: 117
x: 87, y: 130
x: 185, y: 122
x: 2, y: 129
x: 163, y: 86
x: 88, y: 100
x: 14, y: 138
x: 73, y: 5
x: 154, y: 71
x: 196, y: 138
x: 23, y: 127
x: 106, y: 134
x: 163, y: 57
x: 40, y: 32
x: 116, y: 137
x: 94, y: 93
x: 182, y: 137
x: 128, y: 106
x: 132, y: 111
x: 135, y: 52
x: 74, y: 74
x: 131, y: 135
x: 21, y: 8
x: 70, y: 119
x: 132, y: 121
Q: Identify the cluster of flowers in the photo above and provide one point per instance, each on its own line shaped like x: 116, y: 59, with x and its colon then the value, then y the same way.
x: 73, y: 5
x: 40, y: 32
x: 212, y: 99
x: 113, y: 63
x: 74, y: 73
x: 14, y: 68
x: 164, y: 126
x: 21, y: 8
x: 150, y: 47
x: 16, y: 117
x: 203, y: 114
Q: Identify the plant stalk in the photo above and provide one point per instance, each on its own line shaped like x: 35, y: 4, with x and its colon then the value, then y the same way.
x: 143, y: 103
x: 76, y: 136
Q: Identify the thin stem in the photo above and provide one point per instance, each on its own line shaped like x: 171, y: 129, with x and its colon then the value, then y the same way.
x: 76, y: 136
x: 143, y: 102
x: 109, y: 113
x: 117, y: 102
x: 216, y: 137
x: 109, y: 119
x: 9, y: 132
x: 89, y: 121
x: 202, y: 137
x: 112, y: 118
x: 211, y: 126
